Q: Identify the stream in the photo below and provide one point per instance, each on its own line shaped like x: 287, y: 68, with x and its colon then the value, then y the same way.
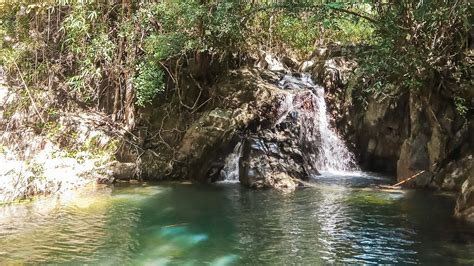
x: 344, y: 219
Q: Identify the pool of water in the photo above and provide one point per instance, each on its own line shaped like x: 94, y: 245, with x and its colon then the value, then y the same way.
x: 344, y: 219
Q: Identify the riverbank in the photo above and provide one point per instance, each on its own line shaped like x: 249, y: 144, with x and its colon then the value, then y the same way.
x: 73, y: 150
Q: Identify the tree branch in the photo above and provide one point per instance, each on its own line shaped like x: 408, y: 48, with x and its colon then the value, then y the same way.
x: 308, y: 7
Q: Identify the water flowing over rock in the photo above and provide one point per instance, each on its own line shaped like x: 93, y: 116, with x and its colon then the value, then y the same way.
x: 262, y: 128
x: 403, y: 132
x: 277, y: 155
x: 300, y: 143
x: 334, y: 154
x: 230, y: 172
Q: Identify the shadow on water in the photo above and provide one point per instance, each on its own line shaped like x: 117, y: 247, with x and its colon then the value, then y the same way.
x: 346, y: 221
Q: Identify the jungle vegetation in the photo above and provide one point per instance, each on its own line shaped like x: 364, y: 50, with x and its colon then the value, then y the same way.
x: 119, y: 55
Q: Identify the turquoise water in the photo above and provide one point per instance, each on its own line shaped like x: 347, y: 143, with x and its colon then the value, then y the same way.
x: 344, y: 219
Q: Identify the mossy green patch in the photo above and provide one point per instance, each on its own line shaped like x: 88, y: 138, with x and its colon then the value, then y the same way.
x: 371, y: 199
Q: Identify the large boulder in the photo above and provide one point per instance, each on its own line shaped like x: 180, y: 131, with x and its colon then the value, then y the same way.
x: 283, y: 153
x: 270, y: 114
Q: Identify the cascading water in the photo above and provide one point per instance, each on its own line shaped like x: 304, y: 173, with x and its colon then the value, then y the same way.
x: 331, y: 154
x: 230, y: 172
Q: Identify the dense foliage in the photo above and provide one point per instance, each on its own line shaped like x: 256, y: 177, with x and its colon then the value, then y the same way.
x: 421, y: 46
x: 112, y: 55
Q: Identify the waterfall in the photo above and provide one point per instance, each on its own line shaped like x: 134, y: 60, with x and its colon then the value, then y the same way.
x: 230, y: 172
x: 333, y: 154
x: 329, y: 154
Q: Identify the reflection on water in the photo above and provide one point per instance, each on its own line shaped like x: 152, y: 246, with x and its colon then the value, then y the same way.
x: 342, y: 220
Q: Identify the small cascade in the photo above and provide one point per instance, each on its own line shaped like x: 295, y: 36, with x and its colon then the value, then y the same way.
x: 230, y: 172
x: 304, y: 104
x: 333, y: 154
x: 286, y: 106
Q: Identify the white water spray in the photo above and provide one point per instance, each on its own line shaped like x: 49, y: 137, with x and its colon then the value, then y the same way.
x: 333, y: 152
x: 230, y: 172
x: 333, y: 156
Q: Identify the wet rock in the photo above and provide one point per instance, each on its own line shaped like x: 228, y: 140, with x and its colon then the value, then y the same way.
x: 204, y: 141
x: 465, y: 202
x: 122, y: 170
x: 455, y: 173
x: 276, y: 125
x: 283, y: 153
x: 250, y: 100
x: 274, y: 158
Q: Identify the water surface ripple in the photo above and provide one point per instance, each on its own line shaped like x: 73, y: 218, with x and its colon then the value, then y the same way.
x: 343, y: 220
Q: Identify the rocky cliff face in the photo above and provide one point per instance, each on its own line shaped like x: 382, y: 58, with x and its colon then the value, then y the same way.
x: 274, y: 126
x: 404, y: 132
x: 465, y: 202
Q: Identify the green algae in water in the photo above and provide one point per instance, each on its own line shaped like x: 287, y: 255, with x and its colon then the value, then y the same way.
x: 373, y: 198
